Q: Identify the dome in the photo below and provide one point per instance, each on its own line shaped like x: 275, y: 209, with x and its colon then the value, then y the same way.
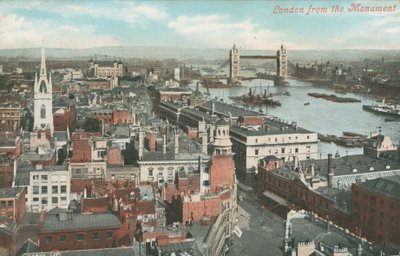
x: 222, y: 121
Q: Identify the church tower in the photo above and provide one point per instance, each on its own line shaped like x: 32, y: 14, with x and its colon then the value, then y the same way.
x: 222, y: 143
x: 43, y: 99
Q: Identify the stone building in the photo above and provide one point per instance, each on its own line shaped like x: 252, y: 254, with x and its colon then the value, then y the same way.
x: 115, y: 70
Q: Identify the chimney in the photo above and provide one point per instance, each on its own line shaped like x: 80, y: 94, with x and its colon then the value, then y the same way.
x: 164, y: 143
x: 312, y: 170
x: 85, y: 193
x: 296, y: 162
x: 141, y: 142
x: 176, y: 144
x: 204, y: 143
x: 330, y: 171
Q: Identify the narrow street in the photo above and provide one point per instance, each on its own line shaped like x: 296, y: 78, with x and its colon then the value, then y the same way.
x: 263, y: 231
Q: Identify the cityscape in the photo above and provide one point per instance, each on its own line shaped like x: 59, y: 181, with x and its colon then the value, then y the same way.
x: 177, y: 128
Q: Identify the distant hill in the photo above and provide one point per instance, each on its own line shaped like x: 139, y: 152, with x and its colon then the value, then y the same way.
x: 156, y: 52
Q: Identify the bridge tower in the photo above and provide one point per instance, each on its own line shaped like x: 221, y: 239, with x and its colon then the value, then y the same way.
x: 281, y: 63
x: 234, y: 64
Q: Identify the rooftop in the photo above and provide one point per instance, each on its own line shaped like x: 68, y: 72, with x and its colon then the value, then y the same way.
x: 120, y: 251
x: 388, y: 186
x: 80, y: 221
x: 229, y: 110
x: 350, y: 165
x: 9, y: 192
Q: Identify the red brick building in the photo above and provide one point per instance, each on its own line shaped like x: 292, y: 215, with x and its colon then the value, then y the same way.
x: 6, y: 171
x: 10, y: 118
x: 64, y: 230
x: 63, y: 118
x: 283, y: 188
x: 376, y: 209
x: 114, y: 156
x: 222, y: 172
x: 12, y: 204
x: 122, y: 117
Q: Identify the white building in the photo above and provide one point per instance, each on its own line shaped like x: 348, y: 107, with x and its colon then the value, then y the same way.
x: 274, y: 138
x: 43, y: 99
x: 48, y: 188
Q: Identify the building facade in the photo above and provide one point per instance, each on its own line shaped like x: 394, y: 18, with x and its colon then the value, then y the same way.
x: 10, y: 118
x: 274, y: 138
x: 48, y: 188
x: 376, y: 209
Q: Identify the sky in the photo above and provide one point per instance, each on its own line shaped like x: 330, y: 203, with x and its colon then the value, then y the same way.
x: 196, y: 24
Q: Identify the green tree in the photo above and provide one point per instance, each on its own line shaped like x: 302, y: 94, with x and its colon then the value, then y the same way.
x: 92, y: 125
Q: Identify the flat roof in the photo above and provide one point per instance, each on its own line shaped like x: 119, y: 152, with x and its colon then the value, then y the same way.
x: 80, y: 221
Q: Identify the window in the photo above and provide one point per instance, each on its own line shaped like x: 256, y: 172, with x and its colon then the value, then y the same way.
x: 276, y: 139
x: 35, y: 177
x: 296, y: 150
x: 109, y: 234
x: 44, y: 189
x: 62, y: 239
x: 54, y: 200
x: 35, y: 190
x: 63, y: 198
x: 283, y: 150
x: 79, y: 237
x: 35, y: 199
x: 47, y: 239
x: 3, y: 204
x: 43, y: 112
x: 256, y: 152
x: 77, y: 171
x: 101, y: 154
x: 44, y: 200
x: 256, y: 140
x: 96, y: 236
x: 44, y: 177
x: 308, y: 137
x: 308, y: 148
x: 54, y: 189
x: 63, y: 189
x: 150, y: 172
x: 10, y: 204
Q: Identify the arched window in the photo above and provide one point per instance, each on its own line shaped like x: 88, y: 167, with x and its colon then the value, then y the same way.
x: 43, y: 112
x: 43, y: 87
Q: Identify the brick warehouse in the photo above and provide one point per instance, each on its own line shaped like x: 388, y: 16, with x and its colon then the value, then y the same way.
x: 376, y: 209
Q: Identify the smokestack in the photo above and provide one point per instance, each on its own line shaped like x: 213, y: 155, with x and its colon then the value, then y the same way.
x: 312, y: 170
x: 141, y: 144
x: 164, y: 143
x: 176, y: 146
x: 204, y: 143
x: 330, y: 171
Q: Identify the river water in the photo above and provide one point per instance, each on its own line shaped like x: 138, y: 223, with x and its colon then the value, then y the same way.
x: 320, y: 115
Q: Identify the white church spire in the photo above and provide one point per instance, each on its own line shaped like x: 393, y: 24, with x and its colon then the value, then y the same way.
x: 43, y: 64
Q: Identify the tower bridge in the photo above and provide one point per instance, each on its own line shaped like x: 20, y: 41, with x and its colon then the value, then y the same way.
x: 281, y: 64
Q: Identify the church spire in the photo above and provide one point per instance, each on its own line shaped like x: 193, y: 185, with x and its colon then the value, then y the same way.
x: 43, y: 64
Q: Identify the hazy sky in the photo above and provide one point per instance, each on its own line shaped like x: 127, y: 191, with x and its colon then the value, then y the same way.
x: 195, y: 24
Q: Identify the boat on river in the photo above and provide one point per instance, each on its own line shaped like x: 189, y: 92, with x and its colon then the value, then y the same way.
x: 333, y: 97
x: 392, y: 110
x: 256, y: 99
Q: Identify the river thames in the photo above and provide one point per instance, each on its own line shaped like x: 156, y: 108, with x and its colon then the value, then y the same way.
x: 319, y: 115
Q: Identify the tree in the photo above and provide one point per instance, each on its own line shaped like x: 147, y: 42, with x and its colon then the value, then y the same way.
x: 92, y: 125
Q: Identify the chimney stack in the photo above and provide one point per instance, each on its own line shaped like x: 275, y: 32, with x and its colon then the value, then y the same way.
x: 296, y: 161
x: 141, y: 144
x: 164, y: 143
x: 204, y: 143
x: 330, y: 171
x: 312, y: 170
